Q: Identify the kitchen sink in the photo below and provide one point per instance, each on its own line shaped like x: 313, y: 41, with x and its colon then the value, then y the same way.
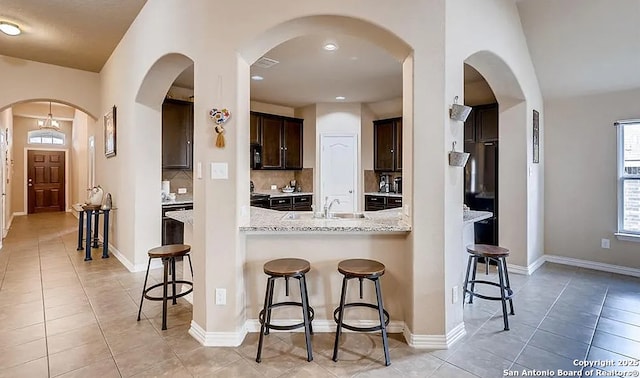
x: 348, y: 215
x: 307, y: 215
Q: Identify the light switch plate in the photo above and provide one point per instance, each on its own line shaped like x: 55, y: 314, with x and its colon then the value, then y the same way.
x: 219, y: 171
x: 199, y: 170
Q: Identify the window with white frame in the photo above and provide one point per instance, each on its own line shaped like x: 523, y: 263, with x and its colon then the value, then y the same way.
x: 629, y: 177
x: 45, y: 137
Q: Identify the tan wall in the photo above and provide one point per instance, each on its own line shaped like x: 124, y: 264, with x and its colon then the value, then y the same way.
x: 580, y: 185
x: 79, y: 157
x: 324, y: 252
x: 21, y: 125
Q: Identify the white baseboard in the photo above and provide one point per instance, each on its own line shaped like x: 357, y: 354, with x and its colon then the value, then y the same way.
x: 326, y: 325
x: 435, y: 341
x: 18, y: 213
x: 593, y: 265
x: 155, y: 263
x: 217, y: 339
x: 528, y: 270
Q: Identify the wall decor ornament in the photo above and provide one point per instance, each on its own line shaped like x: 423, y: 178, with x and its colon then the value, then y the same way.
x: 220, y: 117
x: 110, y: 133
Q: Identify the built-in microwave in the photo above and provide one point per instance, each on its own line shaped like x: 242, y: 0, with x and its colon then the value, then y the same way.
x: 255, y: 157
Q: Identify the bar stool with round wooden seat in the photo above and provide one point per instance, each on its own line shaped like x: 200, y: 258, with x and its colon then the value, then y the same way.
x: 489, y: 253
x: 286, y: 268
x: 168, y: 254
x: 361, y: 269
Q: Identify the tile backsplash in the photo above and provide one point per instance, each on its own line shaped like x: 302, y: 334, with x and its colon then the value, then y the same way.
x: 263, y: 179
x: 178, y: 179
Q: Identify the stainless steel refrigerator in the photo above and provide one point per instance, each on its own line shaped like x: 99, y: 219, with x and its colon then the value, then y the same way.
x: 481, y: 187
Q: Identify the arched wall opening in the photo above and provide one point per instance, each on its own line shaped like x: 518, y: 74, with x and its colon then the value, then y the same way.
x: 153, y: 89
x: 513, y: 152
x: 20, y: 118
x: 263, y: 43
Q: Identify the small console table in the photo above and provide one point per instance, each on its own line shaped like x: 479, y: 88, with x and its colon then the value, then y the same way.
x: 89, y: 212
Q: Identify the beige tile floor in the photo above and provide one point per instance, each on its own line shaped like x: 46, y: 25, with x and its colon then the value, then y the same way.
x: 62, y: 316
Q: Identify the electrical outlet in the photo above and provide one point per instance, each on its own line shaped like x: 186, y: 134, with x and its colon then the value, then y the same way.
x: 274, y: 187
x: 182, y: 190
x: 405, y: 208
x: 454, y: 295
x: 605, y: 243
x: 221, y: 296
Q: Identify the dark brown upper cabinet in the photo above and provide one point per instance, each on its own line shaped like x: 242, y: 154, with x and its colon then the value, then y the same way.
x: 281, y: 140
x: 177, y: 134
x: 387, y: 145
x: 482, y: 124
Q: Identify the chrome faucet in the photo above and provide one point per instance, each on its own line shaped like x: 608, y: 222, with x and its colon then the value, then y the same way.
x: 327, y: 208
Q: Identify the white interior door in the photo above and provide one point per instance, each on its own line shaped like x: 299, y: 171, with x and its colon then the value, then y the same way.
x: 339, y: 161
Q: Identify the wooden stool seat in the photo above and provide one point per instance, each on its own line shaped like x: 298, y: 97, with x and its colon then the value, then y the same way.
x: 90, y: 207
x: 489, y: 253
x: 286, y: 267
x: 485, y: 250
x: 171, y: 250
x: 362, y: 268
x: 168, y: 254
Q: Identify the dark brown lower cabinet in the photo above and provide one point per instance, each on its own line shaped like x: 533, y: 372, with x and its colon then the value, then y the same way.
x: 291, y: 203
x: 374, y: 203
x: 173, y: 230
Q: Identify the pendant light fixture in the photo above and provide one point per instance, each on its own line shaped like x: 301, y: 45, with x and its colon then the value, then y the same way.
x: 49, y: 122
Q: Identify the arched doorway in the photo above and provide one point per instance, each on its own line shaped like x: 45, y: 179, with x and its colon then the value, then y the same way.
x: 514, y: 153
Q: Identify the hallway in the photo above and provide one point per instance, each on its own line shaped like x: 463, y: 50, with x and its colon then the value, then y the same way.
x: 62, y: 316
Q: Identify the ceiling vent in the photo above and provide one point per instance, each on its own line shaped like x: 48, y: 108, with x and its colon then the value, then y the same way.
x: 265, y: 62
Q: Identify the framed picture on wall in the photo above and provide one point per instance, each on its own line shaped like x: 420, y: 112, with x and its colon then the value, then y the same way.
x: 536, y: 136
x: 110, y: 133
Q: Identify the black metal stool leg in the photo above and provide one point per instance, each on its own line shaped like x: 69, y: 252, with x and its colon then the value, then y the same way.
x: 272, y: 282
x: 165, y: 288
x: 340, y: 318
x: 144, y: 288
x: 173, y: 276
x: 263, y: 321
x: 502, y: 296
x: 190, y: 266
x: 466, y: 280
x: 506, y: 277
x: 473, y: 277
x: 385, y: 342
x: 306, y: 294
x: 305, y: 317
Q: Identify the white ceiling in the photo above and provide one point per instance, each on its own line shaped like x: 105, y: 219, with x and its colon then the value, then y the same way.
x: 577, y: 47
x: 80, y: 34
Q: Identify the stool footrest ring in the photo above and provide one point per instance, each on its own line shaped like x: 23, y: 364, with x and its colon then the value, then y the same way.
x: 169, y: 284
x: 361, y: 329
x: 508, y: 295
x: 285, y: 327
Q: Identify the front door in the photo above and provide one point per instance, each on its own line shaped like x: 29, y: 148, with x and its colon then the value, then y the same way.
x: 45, y: 181
x: 338, y: 171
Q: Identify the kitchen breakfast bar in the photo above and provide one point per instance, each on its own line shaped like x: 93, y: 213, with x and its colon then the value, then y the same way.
x: 378, y: 235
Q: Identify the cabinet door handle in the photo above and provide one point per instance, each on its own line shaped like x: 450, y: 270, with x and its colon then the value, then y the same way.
x: 391, y: 150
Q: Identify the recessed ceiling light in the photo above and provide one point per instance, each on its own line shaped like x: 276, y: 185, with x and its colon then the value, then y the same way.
x: 340, y: 98
x: 330, y: 46
x: 9, y: 29
x: 257, y: 77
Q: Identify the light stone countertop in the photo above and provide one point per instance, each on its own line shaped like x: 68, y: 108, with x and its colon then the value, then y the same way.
x: 264, y: 220
x: 277, y: 193
x: 384, y: 194
x: 473, y: 216
x: 184, y: 216
x: 181, y: 199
